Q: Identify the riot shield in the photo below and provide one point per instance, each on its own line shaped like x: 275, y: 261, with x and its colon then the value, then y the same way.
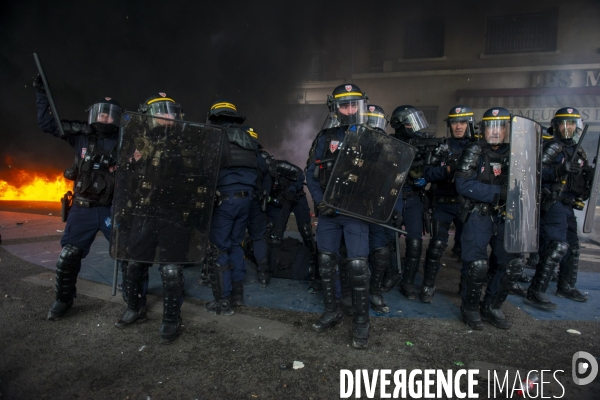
x: 368, y: 174
x: 590, y: 212
x: 165, y: 188
x: 521, y: 231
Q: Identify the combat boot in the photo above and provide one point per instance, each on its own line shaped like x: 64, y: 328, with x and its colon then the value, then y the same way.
x: 134, y: 275
x: 536, y: 294
x: 59, y: 309
x: 264, y: 274
x: 568, y: 277
x: 328, y: 263
x: 469, y: 309
x: 328, y: 320
x: 494, y: 316
x: 220, y: 307
x: 67, y: 268
x: 431, y: 268
x: 129, y: 316
x: 172, y: 279
x: 380, y: 259
x: 360, y: 335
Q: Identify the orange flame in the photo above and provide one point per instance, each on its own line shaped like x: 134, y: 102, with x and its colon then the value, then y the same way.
x: 34, y: 187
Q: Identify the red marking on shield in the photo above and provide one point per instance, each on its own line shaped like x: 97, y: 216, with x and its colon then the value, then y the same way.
x: 83, y: 151
x: 333, y: 146
x: 495, y: 112
x: 348, y: 88
x: 108, y: 98
x: 457, y: 110
x: 570, y: 110
x: 371, y: 108
x: 162, y: 94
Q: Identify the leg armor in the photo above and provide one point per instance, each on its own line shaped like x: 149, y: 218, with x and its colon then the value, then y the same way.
x: 359, y: 276
x: 135, y: 276
x: 237, y: 293
x: 264, y: 272
x: 492, y: 312
x: 172, y: 279
x: 392, y: 275
x: 431, y: 268
x: 380, y: 259
x: 67, y: 268
x: 328, y: 264
x: 346, y: 287
x: 309, y: 241
x: 536, y: 294
x: 221, y: 305
x: 411, y: 265
x: 568, y: 276
x: 469, y: 308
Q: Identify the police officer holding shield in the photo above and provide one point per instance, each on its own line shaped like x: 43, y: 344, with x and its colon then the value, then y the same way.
x: 95, y: 145
x: 566, y: 184
x: 482, y: 178
x: 346, y: 105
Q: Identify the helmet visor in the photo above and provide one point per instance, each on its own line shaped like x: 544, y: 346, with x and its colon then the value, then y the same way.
x: 496, y: 131
x: 569, y: 128
x: 105, y: 113
x: 165, y: 109
x: 415, y: 122
x: 350, y: 112
x: 376, y: 120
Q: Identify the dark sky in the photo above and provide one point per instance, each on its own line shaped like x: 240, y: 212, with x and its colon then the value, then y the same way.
x: 250, y: 52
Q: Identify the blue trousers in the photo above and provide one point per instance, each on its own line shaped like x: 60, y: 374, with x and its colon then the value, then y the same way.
x: 227, y: 230
x: 257, y: 228
x: 83, y: 224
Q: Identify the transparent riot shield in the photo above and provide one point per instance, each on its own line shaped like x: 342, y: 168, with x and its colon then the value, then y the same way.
x: 165, y: 188
x: 521, y: 231
x: 368, y: 174
x: 590, y: 212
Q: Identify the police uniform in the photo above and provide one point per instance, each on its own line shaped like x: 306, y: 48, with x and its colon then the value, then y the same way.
x: 446, y: 203
x: 95, y: 146
x: 331, y: 226
x: 237, y: 182
x: 481, y: 177
x: 559, y: 243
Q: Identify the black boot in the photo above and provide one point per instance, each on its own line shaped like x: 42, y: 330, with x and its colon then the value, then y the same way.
x: 264, y: 273
x: 134, y: 274
x: 491, y: 310
x: 332, y: 315
x: 237, y: 294
x: 469, y: 309
x: 568, y: 277
x: 380, y: 259
x: 494, y: 316
x: 536, y: 294
x: 392, y: 270
x: 67, y: 269
x: 172, y: 278
x: 431, y: 268
x: 411, y: 265
x: 221, y: 305
x: 359, y: 275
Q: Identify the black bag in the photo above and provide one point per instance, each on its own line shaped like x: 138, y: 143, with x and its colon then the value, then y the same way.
x: 290, y: 260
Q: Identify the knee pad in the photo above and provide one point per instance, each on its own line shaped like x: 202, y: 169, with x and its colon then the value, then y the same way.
x: 436, y: 249
x: 69, y: 258
x: 381, y: 254
x: 414, y: 248
x: 477, y: 271
x: 172, y: 276
x: 556, y: 251
x: 514, y: 269
x: 328, y: 263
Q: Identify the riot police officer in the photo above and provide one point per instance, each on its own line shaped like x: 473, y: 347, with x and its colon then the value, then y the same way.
x: 346, y: 105
x: 156, y: 159
x: 408, y: 122
x: 237, y: 183
x: 446, y: 205
x: 482, y: 178
x: 95, y: 145
x: 288, y: 197
x: 257, y: 222
x: 565, y: 185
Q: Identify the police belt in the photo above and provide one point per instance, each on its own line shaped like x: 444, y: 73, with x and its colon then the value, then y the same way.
x: 236, y: 195
x: 485, y: 209
x: 83, y: 202
x: 449, y: 199
x: 407, y: 194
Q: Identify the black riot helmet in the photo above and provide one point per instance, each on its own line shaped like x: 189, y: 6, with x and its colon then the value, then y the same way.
x: 566, y: 123
x: 461, y: 122
x: 376, y: 118
x: 495, y: 126
x: 346, y: 105
x: 105, y: 117
x: 406, y: 120
x: 224, y: 111
x: 162, y: 107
